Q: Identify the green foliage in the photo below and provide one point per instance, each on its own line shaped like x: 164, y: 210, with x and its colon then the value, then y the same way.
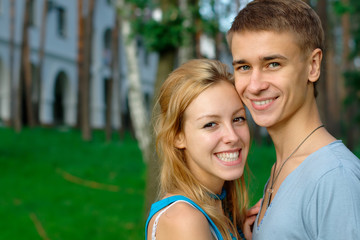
x: 142, y: 4
x: 32, y: 183
x: 352, y: 82
x: 260, y: 160
x: 352, y: 77
x: 353, y: 8
x: 170, y: 32
x: 161, y: 35
x: 340, y: 8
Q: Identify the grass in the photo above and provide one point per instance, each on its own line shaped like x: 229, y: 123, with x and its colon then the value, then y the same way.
x: 53, y: 185
x: 56, y: 186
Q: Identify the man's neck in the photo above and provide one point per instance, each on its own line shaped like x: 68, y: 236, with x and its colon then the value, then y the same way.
x: 288, y: 134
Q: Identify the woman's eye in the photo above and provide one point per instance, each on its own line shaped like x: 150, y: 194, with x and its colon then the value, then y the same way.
x: 209, y: 125
x: 239, y: 119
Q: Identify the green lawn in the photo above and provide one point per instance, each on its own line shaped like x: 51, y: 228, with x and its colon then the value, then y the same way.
x: 53, y: 185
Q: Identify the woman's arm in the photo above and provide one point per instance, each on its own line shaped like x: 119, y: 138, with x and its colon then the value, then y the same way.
x: 250, y: 219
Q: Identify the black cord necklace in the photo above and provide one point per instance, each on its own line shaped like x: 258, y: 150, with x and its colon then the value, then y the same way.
x: 270, y: 190
x: 220, y: 197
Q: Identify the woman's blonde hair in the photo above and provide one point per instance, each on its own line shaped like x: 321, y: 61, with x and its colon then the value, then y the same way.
x: 181, y: 87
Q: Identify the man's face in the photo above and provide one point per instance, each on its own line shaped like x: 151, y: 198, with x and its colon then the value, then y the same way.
x: 271, y: 75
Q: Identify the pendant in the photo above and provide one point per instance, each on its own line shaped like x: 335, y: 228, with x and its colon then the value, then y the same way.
x: 270, y: 192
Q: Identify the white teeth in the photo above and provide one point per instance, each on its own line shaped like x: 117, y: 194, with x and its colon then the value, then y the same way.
x: 228, y: 157
x: 260, y: 103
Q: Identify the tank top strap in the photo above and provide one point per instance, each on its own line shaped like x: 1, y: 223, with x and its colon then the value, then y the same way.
x: 157, y: 206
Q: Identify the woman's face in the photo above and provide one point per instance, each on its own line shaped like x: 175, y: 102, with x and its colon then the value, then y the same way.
x: 215, y: 136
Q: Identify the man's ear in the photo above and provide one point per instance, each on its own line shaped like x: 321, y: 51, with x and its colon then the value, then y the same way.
x: 180, y: 142
x: 315, y: 65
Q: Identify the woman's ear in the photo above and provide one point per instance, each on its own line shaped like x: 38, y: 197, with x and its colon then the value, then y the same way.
x: 180, y: 142
x: 315, y: 65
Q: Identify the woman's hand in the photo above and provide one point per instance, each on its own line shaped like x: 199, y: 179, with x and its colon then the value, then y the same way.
x: 250, y: 219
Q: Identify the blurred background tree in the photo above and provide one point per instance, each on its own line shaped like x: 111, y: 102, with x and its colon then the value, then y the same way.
x: 349, y: 12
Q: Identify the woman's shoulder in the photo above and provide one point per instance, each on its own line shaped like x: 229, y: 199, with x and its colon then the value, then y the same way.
x: 184, y: 210
x: 183, y: 221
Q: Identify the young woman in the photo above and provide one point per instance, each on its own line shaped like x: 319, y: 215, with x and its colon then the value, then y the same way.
x: 203, y: 142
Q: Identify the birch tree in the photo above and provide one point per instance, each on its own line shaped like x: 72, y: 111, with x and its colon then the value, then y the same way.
x: 138, y: 112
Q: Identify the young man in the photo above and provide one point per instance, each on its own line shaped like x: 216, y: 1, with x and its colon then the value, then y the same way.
x: 314, y: 188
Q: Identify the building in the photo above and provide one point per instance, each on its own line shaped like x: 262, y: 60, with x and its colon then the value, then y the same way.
x: 58, y: 98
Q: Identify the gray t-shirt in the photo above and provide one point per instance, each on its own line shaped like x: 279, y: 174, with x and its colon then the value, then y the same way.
x: 320, y: 199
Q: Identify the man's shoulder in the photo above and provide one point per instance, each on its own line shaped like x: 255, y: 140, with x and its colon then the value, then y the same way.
x: 334, y: 155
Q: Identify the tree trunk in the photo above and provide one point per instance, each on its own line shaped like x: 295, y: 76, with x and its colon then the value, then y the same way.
x: 238, y: 5
x: 187, y: 51
x: 114, y: 84
x: 333, y: 102
x: 321, y: 84
x: 41, y: 59
x: 109, y: 97
x: 165, y: 67
x: 15, y: 121
x: 138, y: 112
x: 24, y: 76
x: 26, y: 66
x: 349, y: 112
x: 85, y: 91
x: 17, y: 85
x: 80, y: 58
x: 116, y: 72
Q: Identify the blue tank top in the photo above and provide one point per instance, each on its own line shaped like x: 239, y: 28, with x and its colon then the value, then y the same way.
x: 157, y: 206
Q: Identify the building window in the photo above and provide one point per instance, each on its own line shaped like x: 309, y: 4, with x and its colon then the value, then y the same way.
x: 107, y: 54
x: 61, y: 19
x: 32, y: 12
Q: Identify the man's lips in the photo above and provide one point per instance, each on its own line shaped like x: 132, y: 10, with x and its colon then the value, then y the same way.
x: 262, y: 104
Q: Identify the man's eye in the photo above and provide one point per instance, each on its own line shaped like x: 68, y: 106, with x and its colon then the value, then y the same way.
x: 209, y: 125
x: 274, y: 64
x: 244, y: 67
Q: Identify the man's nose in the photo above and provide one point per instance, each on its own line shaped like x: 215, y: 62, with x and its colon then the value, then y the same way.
x: 256, y: 82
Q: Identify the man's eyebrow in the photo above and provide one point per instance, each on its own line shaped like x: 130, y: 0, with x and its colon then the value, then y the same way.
x: 266, y: 58
x: 241, y: 61
x: 272, y: 57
